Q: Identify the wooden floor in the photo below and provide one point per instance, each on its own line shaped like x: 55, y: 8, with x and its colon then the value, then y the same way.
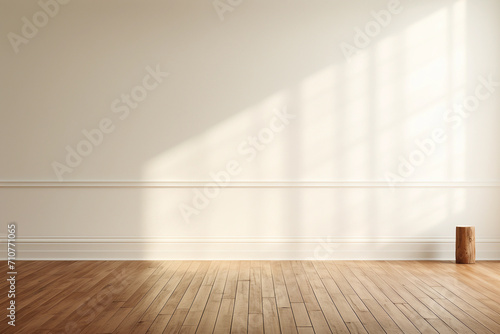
x: 255, y: 297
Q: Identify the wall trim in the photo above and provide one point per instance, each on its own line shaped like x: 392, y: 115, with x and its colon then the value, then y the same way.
x: 248, y: 184
x: 153, y: 239
x: 246, y: 248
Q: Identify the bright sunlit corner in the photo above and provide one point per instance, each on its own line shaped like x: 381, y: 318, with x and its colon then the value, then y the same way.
x: 233, y: 166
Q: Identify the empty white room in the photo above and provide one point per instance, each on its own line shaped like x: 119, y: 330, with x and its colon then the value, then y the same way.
x: 237, y: 166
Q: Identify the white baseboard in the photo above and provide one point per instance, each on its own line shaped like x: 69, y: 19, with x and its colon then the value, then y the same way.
x: 224, y: 248
x: 251, y: 184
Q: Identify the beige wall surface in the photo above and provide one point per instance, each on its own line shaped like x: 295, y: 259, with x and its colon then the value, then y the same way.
x: 249, y: 129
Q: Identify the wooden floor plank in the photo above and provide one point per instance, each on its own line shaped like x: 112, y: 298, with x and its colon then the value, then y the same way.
x: 152, y: 312
x: 300, y: 314
x: 448, y: 312
x: 267, y: 280
x: 319, y: 322
x: 209, y: 316
x: 305, y: 287
x: 85, y: 302
x: 211, y: 273
x: 347, y: 313
x: 244, y: 272
x: 104, y: 317
x: 173, y: 301
x: 329, y: 309
x: 255, y: 323
x: 240, y: 316
x: 305, y: 330
x: 291, y: 283
x: 159, y: 324
x: 280, y: 289
x: 196, y: 310
x: 416, y: 319
x: 271, y: 317
x: 232, y: 280
x: 356, y: 304
x: 140, y: 307
x: 482, y: 318
x: 384, y: 300
x: 365, y: 316
x: 403, y: 288
x: 469, y: 293
x: 256, y: 297
x: 175, y: 323
x: 193, y: 288
x: 225, y: 316
x: 52, y: 297
x: 385, y: 321
x: 287, y: 322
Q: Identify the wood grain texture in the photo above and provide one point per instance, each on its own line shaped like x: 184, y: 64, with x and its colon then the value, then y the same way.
x: 465, y: 252
x: 255, y: 297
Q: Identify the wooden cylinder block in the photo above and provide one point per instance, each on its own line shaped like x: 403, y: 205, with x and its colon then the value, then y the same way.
x: 465, y: 251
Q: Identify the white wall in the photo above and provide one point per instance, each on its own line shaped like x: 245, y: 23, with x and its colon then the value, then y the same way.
x: 318, y: 189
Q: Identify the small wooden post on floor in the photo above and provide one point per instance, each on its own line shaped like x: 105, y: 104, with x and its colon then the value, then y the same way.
x: 465, y: 251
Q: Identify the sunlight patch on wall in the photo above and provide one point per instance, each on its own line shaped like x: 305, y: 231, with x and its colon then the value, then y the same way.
x: 195, y: 158
x: 353, y: 120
